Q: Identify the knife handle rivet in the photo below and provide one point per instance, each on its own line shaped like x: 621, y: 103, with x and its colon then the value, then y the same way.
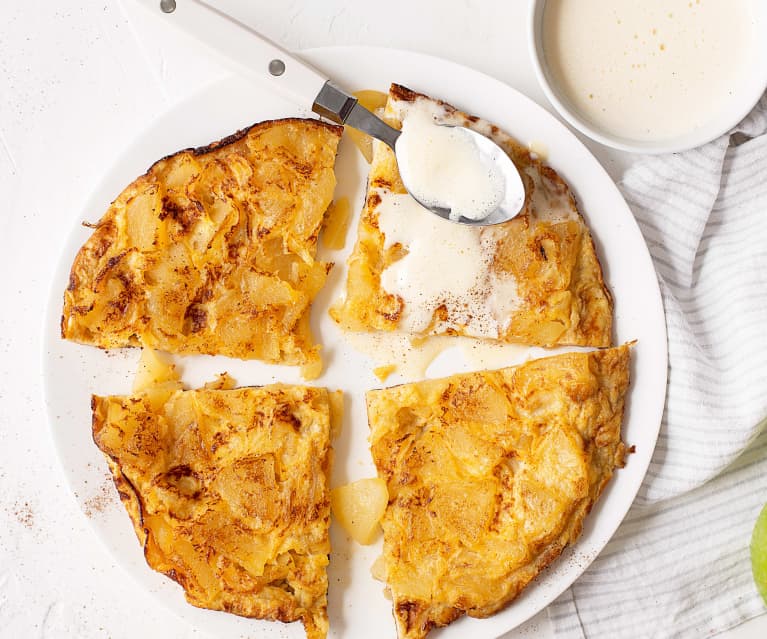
x: 276, y: 67
x: 168, y: 6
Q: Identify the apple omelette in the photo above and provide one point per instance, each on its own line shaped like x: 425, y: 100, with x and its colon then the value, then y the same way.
x: 490, y: 475
x: 212, y: 250
x: 228, y: 493
x: 538, y: 280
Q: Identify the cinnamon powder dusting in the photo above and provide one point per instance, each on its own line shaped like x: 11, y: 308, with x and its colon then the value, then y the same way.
x: 24, y: 514
x: 101, y: 500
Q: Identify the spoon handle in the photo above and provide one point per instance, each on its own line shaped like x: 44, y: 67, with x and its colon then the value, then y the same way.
x: 262, y: 60
x: 340, y: 107
x: 243, y: 48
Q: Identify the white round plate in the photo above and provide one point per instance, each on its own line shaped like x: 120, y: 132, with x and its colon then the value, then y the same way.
x: 357, y: 606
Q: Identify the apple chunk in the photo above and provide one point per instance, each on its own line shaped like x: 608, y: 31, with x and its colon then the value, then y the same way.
x: 359, y: 506
x: 154, y: 371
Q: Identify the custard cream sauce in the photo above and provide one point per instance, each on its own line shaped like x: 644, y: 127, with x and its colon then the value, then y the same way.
x: 444, y: 167
x: 411, y: 357
x: 649, y: 69
x: 449, y: 265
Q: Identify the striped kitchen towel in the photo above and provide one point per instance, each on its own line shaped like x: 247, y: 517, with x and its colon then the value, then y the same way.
x: 679, y: 564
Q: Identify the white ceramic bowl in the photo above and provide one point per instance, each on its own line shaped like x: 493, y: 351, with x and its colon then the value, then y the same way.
x: 737, y: 106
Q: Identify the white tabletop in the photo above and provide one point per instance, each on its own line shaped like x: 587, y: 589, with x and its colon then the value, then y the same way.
x: 78, y: 81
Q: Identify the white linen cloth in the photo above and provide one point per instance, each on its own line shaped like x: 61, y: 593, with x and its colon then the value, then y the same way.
x: 679, y: 564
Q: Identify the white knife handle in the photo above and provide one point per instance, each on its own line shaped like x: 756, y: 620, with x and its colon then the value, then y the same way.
x: 242, y: 48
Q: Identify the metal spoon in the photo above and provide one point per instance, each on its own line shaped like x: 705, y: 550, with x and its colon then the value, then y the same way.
x: 259, y: 58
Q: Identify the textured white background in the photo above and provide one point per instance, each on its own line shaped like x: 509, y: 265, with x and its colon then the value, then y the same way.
x: 78, y: 80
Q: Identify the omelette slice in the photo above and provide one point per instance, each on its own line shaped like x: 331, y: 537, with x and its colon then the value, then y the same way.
x: 490, y: 475
x: 228, y: 493
x: 212, y: 250
x: 536, y: 279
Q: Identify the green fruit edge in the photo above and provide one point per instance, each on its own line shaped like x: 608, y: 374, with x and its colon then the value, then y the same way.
x: 759, y: 553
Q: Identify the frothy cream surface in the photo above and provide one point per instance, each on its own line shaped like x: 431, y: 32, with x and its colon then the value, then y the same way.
x: 649, y: 69
x: 445, y: 265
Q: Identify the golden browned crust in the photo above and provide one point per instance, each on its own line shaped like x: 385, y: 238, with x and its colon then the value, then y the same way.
x: 547, y: 250
x: 212, y: 249
x: 490, y: 476
x: 228, y: 493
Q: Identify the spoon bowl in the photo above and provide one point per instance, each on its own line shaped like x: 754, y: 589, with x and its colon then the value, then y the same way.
x: 491, y: 154
x: 337, y: 105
